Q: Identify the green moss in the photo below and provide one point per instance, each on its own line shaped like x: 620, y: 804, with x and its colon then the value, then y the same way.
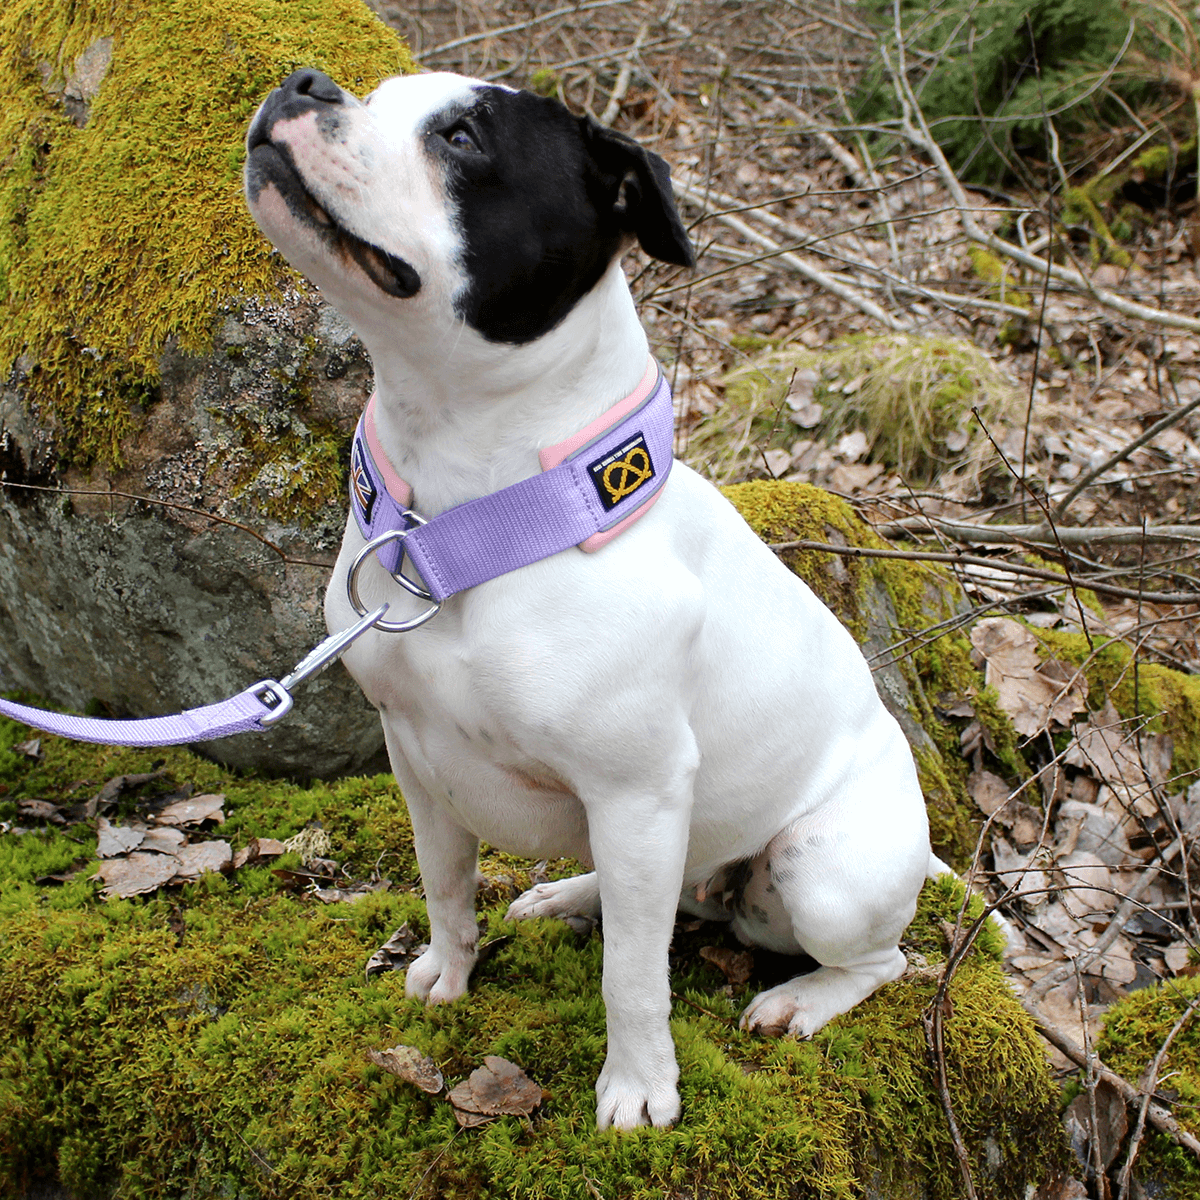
x: 130, y: 231
x: 139, y: 1060
x: 1082, y: 207
x: 1134, y: 1031
x: 999, y: 273
x: 908, y: 394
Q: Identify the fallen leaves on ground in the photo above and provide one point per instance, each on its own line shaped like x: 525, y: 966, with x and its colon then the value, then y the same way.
x: 498, y: 1088
x: 193, y: 811
x: 410, y: 1065
x: 1034, y: 691
x: 402, y: 948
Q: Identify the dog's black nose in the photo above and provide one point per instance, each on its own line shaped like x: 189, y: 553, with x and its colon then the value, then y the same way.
x: 314, y: 84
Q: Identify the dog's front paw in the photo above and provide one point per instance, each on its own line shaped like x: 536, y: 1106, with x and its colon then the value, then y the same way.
x: 626, y: 1099
x: 578, y: 896
x: 438, y: 978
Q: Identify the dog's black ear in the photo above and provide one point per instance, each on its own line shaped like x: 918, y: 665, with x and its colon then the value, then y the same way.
x: 641, y: 197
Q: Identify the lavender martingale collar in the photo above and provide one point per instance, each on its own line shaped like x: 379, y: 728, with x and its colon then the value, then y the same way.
x: 593, y: 486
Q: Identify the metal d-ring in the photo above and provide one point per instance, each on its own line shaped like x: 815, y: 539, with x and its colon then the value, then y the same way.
x: 393, y: 535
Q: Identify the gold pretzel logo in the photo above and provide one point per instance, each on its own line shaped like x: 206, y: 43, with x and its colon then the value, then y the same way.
x: 623, y: 477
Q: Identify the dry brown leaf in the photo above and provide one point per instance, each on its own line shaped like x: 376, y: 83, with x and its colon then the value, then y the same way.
x: 194, y: 861
x: 1105, y: 745
x: 41, y: 810
x: 30, y: 749
x: 1032, y: 691
x: 410, y: 1065
x: 163, y: 841
x: 114, y: 787
x: 193, y: 811
x: 258, y: 849
x: 736, y: 965
x: 989, y: 791
x: 498, y: 1088
x: 1087, y: 883
x: 113, y: 840
x: 1176, y: 956
x: 135, y: 874
x: 397, y: 952
x: 1111, y: 1126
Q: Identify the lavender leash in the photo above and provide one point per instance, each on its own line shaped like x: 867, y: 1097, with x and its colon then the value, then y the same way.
x: 253, y: 711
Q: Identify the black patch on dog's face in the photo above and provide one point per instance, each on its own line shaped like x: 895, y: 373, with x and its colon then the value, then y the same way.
x: 545, y: 201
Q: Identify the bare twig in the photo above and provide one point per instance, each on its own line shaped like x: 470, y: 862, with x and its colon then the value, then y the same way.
x: 1041, y: 534
x: 1172, y: 418
x: 804, y: 269
x: 998, y: 564
x: 569, y: 10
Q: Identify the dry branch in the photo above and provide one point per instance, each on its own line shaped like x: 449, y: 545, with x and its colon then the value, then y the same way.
x: 997, y: 564
x: 915, y: 129
x: 1042, y: 533
x: 813, y: 274
x: 1155, y: 1114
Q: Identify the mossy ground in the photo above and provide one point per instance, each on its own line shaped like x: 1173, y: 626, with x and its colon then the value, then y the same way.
x: 908, y: 395
x: 1134, y: 1031
x: 131, y: 230
x: 211, y: 1040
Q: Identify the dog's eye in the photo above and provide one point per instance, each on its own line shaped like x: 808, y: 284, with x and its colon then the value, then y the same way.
x: 461, y: 138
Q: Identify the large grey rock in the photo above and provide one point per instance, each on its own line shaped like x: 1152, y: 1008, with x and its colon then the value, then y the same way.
x: 148, y: 608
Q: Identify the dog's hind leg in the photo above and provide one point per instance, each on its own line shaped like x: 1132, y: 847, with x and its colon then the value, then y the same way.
x: 847, y: 889
x: 578, y: 896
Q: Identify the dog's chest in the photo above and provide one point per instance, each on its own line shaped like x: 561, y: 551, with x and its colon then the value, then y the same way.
x: 462, y: 718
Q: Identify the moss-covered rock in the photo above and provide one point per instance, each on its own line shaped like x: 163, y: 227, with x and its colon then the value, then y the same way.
x: 153, y: 345
x: 211, y: 1041
x: 121, y: 219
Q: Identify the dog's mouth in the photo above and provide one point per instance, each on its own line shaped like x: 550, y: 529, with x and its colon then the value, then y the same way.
x: 271, y: 163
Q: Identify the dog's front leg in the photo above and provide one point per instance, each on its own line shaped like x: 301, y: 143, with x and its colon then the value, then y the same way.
x: 447, y: 855
x: 639, y: 844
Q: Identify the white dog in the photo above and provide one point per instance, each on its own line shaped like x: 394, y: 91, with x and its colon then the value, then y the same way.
x: 674, y: 708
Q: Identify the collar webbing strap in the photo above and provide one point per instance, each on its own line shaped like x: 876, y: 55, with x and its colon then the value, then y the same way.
x: 592, y: 487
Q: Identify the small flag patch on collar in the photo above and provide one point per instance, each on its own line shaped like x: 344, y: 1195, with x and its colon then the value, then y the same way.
x: 622, y: 471
x: 362, y: 486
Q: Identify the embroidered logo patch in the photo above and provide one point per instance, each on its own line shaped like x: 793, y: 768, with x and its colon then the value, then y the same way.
x: 362, y: 488
x: 622, y: 471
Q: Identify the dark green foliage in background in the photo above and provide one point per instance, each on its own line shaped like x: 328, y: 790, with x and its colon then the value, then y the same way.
x: 987, y: 74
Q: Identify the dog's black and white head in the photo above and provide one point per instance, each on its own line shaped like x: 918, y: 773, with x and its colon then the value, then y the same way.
x: 463, y: 200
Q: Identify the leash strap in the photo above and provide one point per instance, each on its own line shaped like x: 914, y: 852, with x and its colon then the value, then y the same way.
x: 591, y: 488
x: 248, y: 711
x: 253, y: 711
